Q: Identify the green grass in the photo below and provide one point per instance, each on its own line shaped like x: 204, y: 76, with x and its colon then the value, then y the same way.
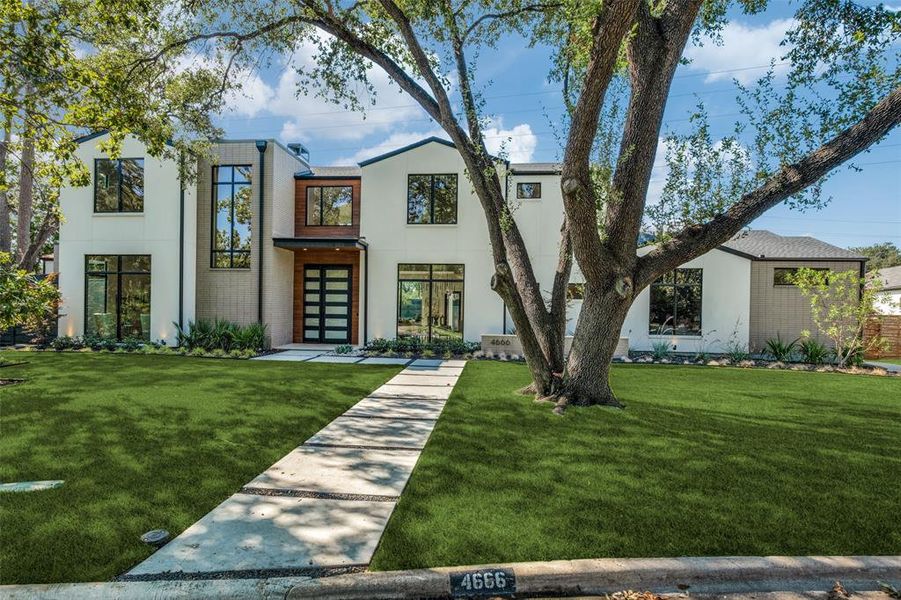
x: 144, y: 442
x: 703, y: 461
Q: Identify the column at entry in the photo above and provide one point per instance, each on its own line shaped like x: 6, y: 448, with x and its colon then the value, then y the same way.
x: 327, y: 304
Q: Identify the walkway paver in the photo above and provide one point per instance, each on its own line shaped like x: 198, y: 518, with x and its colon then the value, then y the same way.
x: 326, y: 503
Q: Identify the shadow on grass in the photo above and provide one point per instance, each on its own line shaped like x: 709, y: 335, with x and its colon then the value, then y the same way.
x: 145, y: 442
x: 702, y: 462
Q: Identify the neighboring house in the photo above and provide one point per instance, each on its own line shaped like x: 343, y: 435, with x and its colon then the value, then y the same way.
x: 397, y: 246
x: 889, y: 301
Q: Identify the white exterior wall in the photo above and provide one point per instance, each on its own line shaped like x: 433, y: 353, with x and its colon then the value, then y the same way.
x: 154, y: 232
x: 726, y: 278
x: 725, y: 307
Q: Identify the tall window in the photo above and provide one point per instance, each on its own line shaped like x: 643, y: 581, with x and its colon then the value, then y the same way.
x: 118, y: 185
x: 676, y: 303
x: 330, y: 205
x: 432, y: 199
x: 430, y: 301
x: 785, y: 276
x: 232, y: 211
x: 117, y: 296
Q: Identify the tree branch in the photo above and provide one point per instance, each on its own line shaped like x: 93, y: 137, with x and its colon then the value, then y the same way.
x: 537, y: 8
x: 695, y: 240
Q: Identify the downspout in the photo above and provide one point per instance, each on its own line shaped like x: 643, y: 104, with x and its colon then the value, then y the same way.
x: 261, y: 147
x: 181, y: 242
x: 366, y: 290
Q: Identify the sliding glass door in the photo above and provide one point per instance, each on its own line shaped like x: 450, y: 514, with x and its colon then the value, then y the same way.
x: 430, y: 301
x: 117, y: 296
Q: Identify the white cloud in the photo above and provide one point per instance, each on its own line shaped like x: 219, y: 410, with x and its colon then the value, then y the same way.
x: 516, y: 144
x: 392, y: 142
x: 743, y: 47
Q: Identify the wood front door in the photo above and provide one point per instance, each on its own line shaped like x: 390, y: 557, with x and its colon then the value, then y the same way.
x: 327, y: 293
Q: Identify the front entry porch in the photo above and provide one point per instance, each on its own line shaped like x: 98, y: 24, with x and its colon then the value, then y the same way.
x: 326, y: 297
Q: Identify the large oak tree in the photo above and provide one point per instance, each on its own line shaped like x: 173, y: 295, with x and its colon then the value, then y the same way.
x: 841, y: 97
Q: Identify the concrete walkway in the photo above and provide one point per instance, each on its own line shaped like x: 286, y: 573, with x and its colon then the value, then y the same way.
x: 892, y: 368
x: 322, y: 507
x: 321, y: 355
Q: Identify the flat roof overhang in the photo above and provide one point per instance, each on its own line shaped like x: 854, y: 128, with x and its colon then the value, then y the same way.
x: 302, y: 243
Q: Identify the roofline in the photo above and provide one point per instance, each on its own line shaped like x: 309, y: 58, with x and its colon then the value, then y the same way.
x: 292, y: 243
x: 515, y: 172
x: 91, y: 136
x: 725, y: 248
x: 300, y: 175
x: 407, y: 148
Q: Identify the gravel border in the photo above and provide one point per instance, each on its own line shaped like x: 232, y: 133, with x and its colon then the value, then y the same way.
x: 259, y: 491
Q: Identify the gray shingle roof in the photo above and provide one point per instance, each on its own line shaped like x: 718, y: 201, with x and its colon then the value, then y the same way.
x: 349, y: 171
x: 760, y: 243
x: 890, y: 278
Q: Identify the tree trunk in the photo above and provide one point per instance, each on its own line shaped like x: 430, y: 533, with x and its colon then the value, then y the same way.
x: 597, y: 332
x: 5, y: 232
x: 26, y: 202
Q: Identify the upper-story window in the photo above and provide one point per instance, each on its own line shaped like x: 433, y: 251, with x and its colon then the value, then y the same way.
x: 432, y: 199
x: 232, y: 216
x: 118, y: 185
x: 528, y: 191
x: 676, y: 303
x: 785, y: 276
x: 330, y: 206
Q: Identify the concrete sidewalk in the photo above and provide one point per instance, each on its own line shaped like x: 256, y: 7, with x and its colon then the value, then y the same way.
x: 325, y: 504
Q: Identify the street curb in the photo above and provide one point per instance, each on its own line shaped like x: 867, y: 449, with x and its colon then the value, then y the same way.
x: 714, y: 575
x: 708, y: 578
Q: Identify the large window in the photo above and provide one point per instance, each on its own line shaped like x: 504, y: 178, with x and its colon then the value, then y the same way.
x: 784, y: 276
x: 676, y: 303
x: 330, y: 206
x: 117, y: 296
x: 432, y: 199
x: 232, y: 211
x: 119, y: 185
x: 528, y: 191
x: 430, y: 301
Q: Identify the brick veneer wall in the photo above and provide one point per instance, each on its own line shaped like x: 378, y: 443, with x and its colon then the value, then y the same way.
x: 782, y: 310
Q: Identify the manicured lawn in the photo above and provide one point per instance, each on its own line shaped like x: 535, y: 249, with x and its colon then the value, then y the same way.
x: 703, y: 461
x: 144, y: 442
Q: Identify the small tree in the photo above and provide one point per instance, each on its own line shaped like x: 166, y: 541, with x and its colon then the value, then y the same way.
x: 26, y: 299
x: 840, y: 305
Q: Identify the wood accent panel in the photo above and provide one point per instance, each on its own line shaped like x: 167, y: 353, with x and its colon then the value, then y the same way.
x: 889, y: 328
x: 348, y: 257
x: 301, y: 229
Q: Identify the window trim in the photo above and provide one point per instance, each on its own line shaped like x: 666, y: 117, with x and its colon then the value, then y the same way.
x: 430, y: 280
x: 119, y: 190
x: 321, y: 211
x: 118, y: 273
x: 432, y: 177
x: 674, y: 285
x: 214, y: 186
x: 519, y: 196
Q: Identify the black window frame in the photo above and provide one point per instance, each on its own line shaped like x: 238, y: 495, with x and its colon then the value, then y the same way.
x: 321, y: 211
x: 214, y: 186
x: 431, y: 220
x: 430, y: 280
x: 118, y: 273
x: 794, y: 270
x: 673, y: 283
x: 118, y: 162
x: 520, y: 196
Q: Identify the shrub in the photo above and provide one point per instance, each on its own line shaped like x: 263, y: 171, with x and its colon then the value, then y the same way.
x: 781, y: 351
x: 221, y: 335
x: 455, y: 347
x: 813, y: 352
x: 132, y: 344
x: 736, y: 350
x: 236, y: 354
x: 218, y: 353
x: 344, y: 349
x: 660, y: 350
x: 197, y: 352
x: 65, y: 342
x: 248, y: 353
x: 427, y: 353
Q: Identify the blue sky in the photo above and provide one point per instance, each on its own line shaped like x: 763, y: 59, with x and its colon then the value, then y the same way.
x: 865, y: 209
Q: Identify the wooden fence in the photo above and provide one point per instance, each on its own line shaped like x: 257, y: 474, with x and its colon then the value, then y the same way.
x: 889, y: 327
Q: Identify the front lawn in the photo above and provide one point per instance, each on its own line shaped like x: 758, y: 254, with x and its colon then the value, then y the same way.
x: 144, y: 442
x: 703, y: 461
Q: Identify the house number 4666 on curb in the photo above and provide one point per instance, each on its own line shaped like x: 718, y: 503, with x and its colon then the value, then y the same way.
x: 483, y: 582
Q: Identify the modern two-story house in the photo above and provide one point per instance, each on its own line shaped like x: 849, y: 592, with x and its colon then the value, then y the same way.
x: 396, y: 246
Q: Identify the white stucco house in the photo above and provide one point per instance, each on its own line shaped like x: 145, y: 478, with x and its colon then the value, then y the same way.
x: 889, y: 284
x: 396, y: 246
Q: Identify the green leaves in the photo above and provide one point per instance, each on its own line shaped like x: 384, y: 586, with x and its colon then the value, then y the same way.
x: 25, y: 299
